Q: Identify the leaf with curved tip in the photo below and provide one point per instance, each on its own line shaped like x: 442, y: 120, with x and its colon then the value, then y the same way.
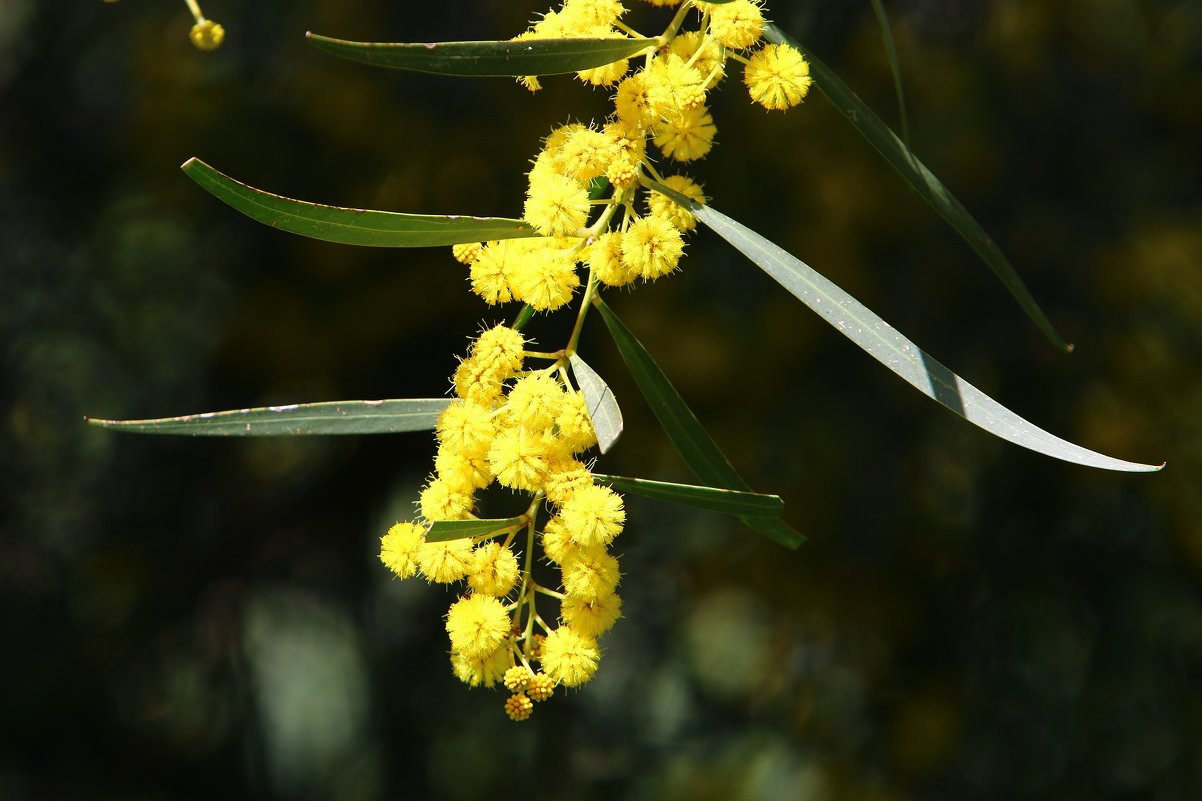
x: 488, y: 59
x: 384, y: 229
x: 335, y: 417
x: 922, y: 181
x: 692, y: 442
x: 883, y: 343
x: 600, y: 403
x: 712, y: 499
x: 444, y: 530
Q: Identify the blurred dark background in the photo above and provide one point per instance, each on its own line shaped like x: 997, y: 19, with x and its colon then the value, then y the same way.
x: 198, y: 618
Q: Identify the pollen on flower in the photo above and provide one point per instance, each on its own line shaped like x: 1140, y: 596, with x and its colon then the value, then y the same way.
x: 591, y: 618
x: 590, y: 573
x: 546, y: 278
x: 486, y: 670
x: 461, y: 474
x: 502, y: 349
x: 444, y: 562
x: 594, y: 515
x: 633, y: 102
x: 535, y: 401
x: 441, y: 501
x: 468, y: 427
x: 519, y: 458
x: 672, y: 86
x: 557, y: 542
x: 666, y: 208
x: 568, y: 657
x: 777, y: 77
x: 574, y: 425
x: 492, y: 569
x: 399, y: 547
x: 556, y: 205
x: 652, y: 247
x: 708, y: 62
x: 477, y: 625
x: 688, y: 137
x: 490, y: 273
x: 738, y: 24
x: 585, y: 154
x: 604, y: 258
x: 518, y: 706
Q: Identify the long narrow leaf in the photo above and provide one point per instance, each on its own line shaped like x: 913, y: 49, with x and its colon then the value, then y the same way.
x: 352, y: 226
x: 336, y: 417
x: 600, y: 402
x: 882, y: 21
x: 699, y: 451
x: 525, y: 57
x: 883, y: 343
x: 922, y: 180
x: 712, y: 499
x: 444, y: 530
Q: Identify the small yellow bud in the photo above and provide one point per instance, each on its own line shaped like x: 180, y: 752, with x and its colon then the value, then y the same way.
x: 518, y: 706
x: 207, y: 35
x: 541, y: 687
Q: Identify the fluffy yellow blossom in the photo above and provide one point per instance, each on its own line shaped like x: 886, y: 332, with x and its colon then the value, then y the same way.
x: 502, y: 349
x: 652, y: 247
x: 399, y: 547
x: 564, y: 476
x: 492, y: 569
x: 477, y: 382
x: 585, y: 154
x: 519, y: 458
x: 738, y: 24
x: 633, y: 102
x: 460, y: 473
x: 668, y: 209
x: 605, y: 75
x: 708, y: 62
x: 569, y: 658
x: 444, y: 562
x: 486, y: 670
x: 490, y: 272
x: 593, y: 515
x: 477, y: 625
x: 468, y: 427
x: 591, y: 618
x: 556, y: 205
x: 672, y: 86
x: 688, y: 137
x: 592, y: 13
x: 441, y: 501
x: 557, y: 542
x: 604, y: 258
x: 546, y: 278
x: 535, y: 401
x: 777, y: 77
x: 590, y: 573
x: 574, y: 426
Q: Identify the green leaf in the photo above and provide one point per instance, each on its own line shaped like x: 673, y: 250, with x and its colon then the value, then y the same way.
x: 883, y: 343
x: 699, y: 451
x: 878, y: 8
x: 600, y: 403
x: 444, y: 530
x: 336, y: 417
x: 712, y: 499
x: 922, y: 180
x: 525, y: 57
x: 352, y: 226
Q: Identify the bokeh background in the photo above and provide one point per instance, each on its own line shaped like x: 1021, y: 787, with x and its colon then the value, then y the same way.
x: 199, y: 618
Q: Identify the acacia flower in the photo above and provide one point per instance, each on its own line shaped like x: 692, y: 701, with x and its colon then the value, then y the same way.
x: 738, y: 24
x: 666, y: 208
x: 556, y: 204
x: 688, y: 137
x: 477, y: 625
x: 399, y: 547
x: 777, y: 77
x: 591, y: 618
x: 485, y: 670
x: 444, y: 562
x: 652, y: 247
x: 568, y: 657
x: 492, y: 569
x: 593, y: 515
x: 590, y: 573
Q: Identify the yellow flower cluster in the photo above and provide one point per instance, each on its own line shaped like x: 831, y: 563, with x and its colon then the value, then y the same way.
x: 526, y: 429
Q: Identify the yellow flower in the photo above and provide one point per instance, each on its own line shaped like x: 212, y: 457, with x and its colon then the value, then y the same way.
x: 672, y: 86
x: 466, y: 252
x: 467, y: 427
x: 490, y: 272
x: 502, y: 349
x: 590, y: 573
x: 399, y: 547
x: 545, y: 278
x: 738, y: 24
x: 777, y: 77
x: 686, y: 46
x: 591, y: 618
x: 593, y: 515
x: 207, y: 35
x: 633, y: 103
x: 517, y: 678
x: 668, y: 209
x: 591, y: 13
x: 519, y: 458
x: 568, y: 657
x: 486, y: 670
x: 557, y: 543
x: 492, y: 570
x: 564, y: 476
x: 574, y: 427
x: 477, y: 625
x: 652, y: 247
x: 604, y: 258
x: 541, y: 687
x: 441, y: 501
x: 444, y: 562
x: 688, y: 137
x: 462, y: 474
x: 585, y: 154
x: 518, y: 706
x: 556, y: 205
x: 535, y: 401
